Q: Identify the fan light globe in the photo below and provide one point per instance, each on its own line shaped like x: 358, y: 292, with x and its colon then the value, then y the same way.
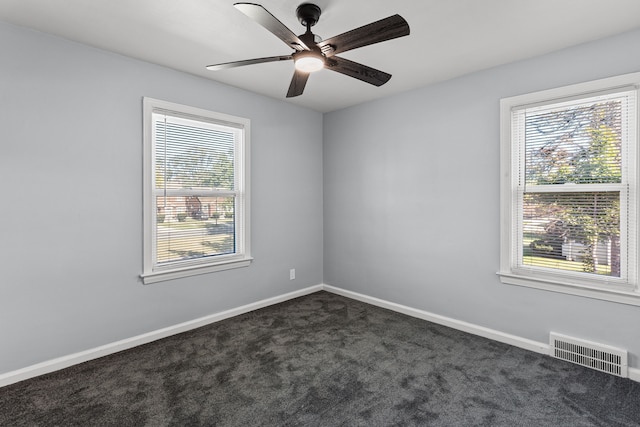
x: 309, y: 63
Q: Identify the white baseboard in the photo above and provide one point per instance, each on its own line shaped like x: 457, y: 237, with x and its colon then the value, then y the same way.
x: 492, y: 334
x: 94, y: 353
x: 104, y: 350
x: 527, y: 344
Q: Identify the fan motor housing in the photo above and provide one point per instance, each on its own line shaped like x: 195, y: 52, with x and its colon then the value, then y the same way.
x: 308, y: 14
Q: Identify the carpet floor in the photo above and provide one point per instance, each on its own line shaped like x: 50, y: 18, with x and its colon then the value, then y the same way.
x: 323, y: 360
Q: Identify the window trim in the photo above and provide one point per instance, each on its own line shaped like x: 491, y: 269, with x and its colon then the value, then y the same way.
x: 242, y: 258
x: 508, y: 199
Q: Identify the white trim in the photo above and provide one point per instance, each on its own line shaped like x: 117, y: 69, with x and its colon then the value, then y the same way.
x: 578, y: 90
x: 107, y: 349
x: 606, y: 294
x: 125, y: 344
x: 527, y: 344
x: 177, y: 273
x: 514, y: 340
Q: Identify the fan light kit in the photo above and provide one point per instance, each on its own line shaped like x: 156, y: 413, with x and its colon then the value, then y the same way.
x: 308, y: 61
x: 313, y: 54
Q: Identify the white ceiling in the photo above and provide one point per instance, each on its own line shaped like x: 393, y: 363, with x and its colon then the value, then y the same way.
x: 448, y: 38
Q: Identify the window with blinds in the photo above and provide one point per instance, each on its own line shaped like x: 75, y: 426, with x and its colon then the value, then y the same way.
x: 195, y: 191
x: 570, y: 202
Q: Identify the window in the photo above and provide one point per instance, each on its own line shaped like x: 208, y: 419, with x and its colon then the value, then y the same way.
x: 196, y: 200
x: 569, y: 194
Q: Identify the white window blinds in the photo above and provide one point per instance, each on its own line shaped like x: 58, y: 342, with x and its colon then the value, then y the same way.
x: 575, y: 169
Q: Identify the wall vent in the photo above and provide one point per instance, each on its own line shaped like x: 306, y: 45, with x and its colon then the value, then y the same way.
x: 596, y: 356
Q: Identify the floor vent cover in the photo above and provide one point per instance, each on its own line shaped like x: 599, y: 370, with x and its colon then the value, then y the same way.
x: 592, y: 355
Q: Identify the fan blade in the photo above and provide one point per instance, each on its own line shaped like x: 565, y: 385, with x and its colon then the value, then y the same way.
x: 358, y: 71
x: 271, y: 23
x: 224, y: 66
x: 298, y: 82
x: 385, y: 29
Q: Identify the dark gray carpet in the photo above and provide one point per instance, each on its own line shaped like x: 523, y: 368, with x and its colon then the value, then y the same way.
x: 323, y: 360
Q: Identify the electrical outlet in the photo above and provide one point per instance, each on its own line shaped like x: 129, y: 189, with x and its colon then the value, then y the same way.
x: 292, y: 274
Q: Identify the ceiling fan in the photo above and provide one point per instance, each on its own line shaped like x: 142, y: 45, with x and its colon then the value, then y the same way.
x: 312, y: 54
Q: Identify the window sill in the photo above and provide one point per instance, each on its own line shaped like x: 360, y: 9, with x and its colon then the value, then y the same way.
x: 177, y: 273
x: 619, y: 296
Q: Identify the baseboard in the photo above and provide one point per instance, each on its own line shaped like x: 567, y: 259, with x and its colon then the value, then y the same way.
x: 514, y: 340
x: 94, y: 353
x: 104, y: 350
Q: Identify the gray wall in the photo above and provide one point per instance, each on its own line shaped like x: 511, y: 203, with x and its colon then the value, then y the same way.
x: 71, y: 188
x: 411, y: 200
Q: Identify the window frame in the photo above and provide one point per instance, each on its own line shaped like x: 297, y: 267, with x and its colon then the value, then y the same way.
x: 152, y: 272
x: 592, y: 287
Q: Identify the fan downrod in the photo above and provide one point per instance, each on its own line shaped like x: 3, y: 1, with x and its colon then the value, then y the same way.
x: 308, y: 14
